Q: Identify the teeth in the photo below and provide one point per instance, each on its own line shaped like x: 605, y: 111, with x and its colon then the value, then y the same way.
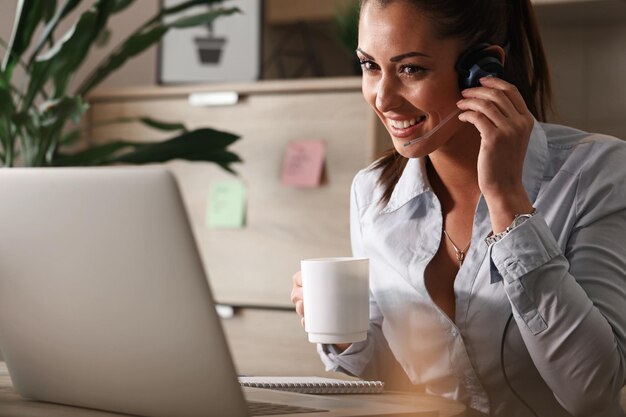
x: 403, y: 124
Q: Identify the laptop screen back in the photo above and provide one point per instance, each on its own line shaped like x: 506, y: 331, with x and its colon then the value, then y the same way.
x: 103, y: 298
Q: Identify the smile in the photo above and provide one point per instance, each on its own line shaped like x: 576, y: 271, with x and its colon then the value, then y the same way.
x: 405, y: 124
x: 402, y: 129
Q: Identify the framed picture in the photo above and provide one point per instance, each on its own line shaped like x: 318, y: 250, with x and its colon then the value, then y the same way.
x: 227, y: 50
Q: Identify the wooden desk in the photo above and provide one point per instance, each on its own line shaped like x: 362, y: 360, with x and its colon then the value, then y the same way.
x: 12, y: 405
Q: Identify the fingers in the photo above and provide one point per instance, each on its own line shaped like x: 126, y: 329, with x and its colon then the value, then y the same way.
x: 478, y: 119
x: 495, y: 105
x: 300, y: 308
x: 492, y: 103
x: 502, y: 90
x: 296, y: 290
x: 297, y: 278
x: 296, y: 295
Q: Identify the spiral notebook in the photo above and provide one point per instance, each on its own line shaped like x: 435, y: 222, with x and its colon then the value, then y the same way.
x: 312, y: 384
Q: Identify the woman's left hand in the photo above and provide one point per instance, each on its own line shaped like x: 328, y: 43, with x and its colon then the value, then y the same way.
x: 499, y: 112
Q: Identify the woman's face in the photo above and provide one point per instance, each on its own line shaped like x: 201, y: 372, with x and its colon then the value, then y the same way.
x: 409, y: 77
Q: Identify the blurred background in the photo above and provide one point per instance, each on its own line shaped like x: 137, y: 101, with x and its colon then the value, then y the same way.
x: 585, y: 42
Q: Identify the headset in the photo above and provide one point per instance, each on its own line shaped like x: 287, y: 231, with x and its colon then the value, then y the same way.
x: 478, y: 62
x: 475, y: 63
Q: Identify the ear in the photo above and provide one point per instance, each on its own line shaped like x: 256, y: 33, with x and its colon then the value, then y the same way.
x: 497, y: 49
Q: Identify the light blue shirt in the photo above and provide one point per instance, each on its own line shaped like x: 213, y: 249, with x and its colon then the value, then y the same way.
x: 562, y: 273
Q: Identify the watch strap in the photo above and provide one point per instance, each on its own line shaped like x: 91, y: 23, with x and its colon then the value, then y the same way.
x: 517, y: 220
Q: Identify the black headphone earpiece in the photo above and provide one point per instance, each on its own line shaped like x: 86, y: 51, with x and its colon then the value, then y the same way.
x: 478, y: 62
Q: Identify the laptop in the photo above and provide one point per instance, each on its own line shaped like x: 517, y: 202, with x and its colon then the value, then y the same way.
x: 104, y: 302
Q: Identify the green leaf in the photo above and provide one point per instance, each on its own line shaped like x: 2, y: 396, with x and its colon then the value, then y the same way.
x: 27, y: 17
x: 26, y: 125
x: 121, y: 5
x: 95, y: 155
x: 68, y: 53
x: 180, y: 8
x: 199, y: 145
x: 142, y: 40
x: 103, y: 38
x: 59, y: 110
x: 54, y: 115
x: 161, y: 125
x: 6, y: 101
x: 148, y: 121
x: 195, y: 145
x: 59, y: 14
x: 49, y: 9
x: 134, y: 45
x: 202, y: 18
x: 7, y: 110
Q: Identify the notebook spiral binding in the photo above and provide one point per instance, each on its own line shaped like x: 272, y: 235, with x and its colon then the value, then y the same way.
x: 344, y: 387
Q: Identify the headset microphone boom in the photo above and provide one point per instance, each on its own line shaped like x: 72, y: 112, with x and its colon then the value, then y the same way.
x: 435, y: 129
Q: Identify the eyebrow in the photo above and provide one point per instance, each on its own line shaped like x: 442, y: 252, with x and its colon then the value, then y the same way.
x: 397, y: 58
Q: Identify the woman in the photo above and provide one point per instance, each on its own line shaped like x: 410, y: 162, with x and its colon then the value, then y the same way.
x: 497, y: 237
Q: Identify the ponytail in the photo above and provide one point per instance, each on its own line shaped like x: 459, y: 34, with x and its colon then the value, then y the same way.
x: 526, y: 65
x: 509, y: 23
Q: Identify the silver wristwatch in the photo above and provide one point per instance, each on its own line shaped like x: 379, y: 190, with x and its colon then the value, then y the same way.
x: 517, y: 220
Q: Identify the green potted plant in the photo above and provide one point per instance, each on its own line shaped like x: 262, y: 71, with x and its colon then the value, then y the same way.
x: 40, y: 119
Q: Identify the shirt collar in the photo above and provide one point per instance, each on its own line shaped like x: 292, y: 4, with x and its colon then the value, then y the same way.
x: 414, y: 180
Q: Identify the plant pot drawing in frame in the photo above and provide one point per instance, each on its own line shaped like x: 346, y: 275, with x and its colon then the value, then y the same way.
x: 210, y: 48
x: 213, y: 52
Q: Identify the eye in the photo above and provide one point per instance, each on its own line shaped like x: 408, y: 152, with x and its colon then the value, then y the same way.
x: 412, y: 70
x: 368, y: 65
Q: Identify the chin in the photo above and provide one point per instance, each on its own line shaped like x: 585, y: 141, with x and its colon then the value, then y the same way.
x: 414, y: 151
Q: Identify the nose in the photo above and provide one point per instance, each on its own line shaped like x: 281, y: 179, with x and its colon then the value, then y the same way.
x: 388, y: 96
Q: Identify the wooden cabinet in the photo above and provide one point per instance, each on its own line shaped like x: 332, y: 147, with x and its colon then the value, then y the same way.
x: 253, y: 266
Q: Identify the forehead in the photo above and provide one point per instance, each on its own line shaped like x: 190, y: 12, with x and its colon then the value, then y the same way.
x: 395, y: 27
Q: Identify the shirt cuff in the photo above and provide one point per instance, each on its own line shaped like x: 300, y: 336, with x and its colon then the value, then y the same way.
x: 524, y: 249
x: 514, y: 258
x: 351, y: 361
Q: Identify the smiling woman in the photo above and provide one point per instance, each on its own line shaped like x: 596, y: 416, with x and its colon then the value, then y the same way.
x: 497, y: 264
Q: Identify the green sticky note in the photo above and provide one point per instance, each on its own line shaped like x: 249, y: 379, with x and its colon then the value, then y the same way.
x: 227, y: 205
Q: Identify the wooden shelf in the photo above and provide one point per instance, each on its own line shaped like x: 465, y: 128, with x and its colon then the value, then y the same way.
x: 296, y: 86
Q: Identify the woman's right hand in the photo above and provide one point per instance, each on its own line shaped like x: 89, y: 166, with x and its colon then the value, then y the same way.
x: 296, y: 295
x: 297, y: 300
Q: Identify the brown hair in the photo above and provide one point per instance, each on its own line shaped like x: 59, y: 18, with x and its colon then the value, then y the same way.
x: 508, y: 23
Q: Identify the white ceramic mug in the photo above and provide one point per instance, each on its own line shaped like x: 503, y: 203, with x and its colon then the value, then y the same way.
x: 336, y: 299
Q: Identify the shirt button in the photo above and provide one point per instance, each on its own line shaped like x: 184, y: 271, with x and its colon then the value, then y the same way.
x: 455, y: 332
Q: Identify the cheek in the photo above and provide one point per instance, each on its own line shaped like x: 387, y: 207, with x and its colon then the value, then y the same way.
x: 433, y: 96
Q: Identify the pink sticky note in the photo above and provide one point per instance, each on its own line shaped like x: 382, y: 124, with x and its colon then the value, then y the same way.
x: 304, y: 163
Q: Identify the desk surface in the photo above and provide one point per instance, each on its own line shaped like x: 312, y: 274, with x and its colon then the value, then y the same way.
x: 12, y: 405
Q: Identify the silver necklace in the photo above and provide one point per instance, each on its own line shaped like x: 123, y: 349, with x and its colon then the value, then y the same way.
x: 460, y: 254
